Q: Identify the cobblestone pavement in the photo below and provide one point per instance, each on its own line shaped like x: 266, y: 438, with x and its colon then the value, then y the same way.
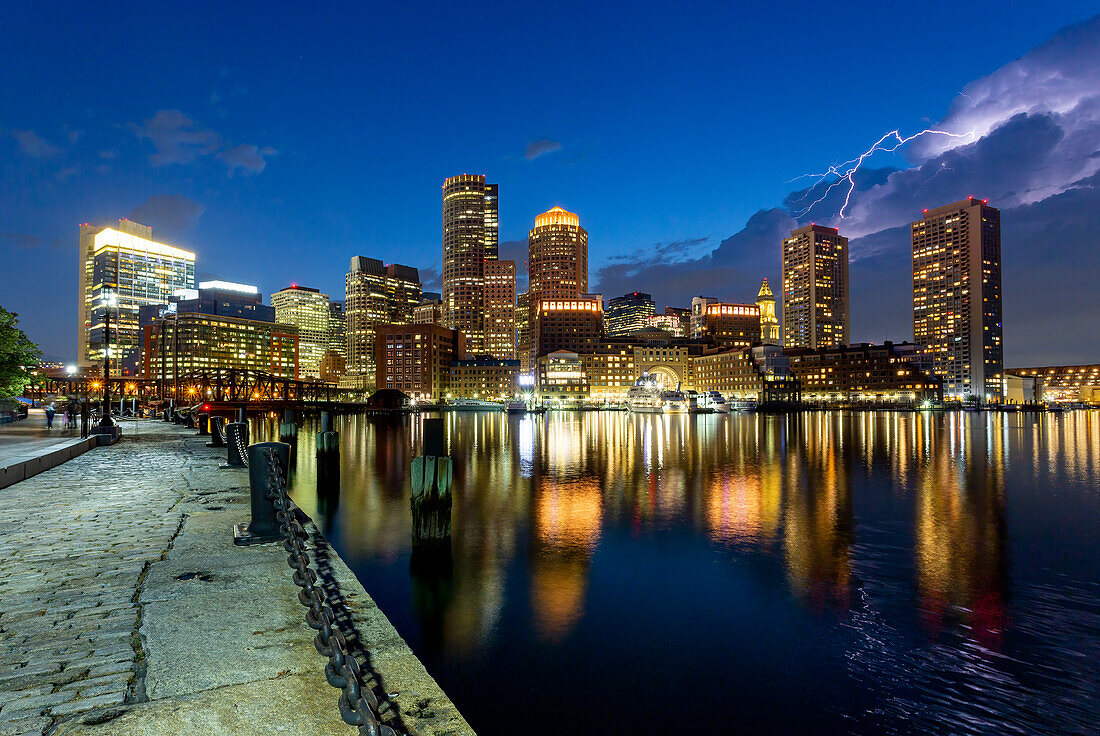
x: 76, y: 543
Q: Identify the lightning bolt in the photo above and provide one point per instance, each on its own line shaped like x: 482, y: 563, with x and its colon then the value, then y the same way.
x: 845, y: 171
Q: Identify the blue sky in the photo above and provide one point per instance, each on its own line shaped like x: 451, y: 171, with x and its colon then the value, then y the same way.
x: 277, y: 142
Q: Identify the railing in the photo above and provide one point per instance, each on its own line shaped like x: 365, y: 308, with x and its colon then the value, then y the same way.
x: 358, y: 704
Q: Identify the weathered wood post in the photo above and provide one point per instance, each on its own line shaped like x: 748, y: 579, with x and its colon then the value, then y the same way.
x: 431, y: 487
x: 328, y: 440
x: 288, y: 429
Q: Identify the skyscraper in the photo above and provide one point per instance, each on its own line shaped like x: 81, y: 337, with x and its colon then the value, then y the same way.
x: 629, y: 312
x: 557, y: 263
x: 770, y: 331
x: 815, y: 288
x: 470, y: 238
x: 122, y: 269
x: 957, y: 297
x: 375, y: 294
x: 500, y: 309
x: 308, y: 310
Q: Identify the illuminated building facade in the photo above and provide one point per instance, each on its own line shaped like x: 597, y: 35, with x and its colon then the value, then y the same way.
x: 560, y: 377
x: 184, y: 342
x: 567, y: 324
x: 470, y: 239
x: 416, y: 359
x: 308, y: 310
x: 430, y: 310
x: 484, y: 378
x: 1066, y: 383
x: 123, y: 269
x: 815, y: 288
x: 732, y: 371
x: 332, y: 366
x: 957, y: 297
x: 375, y: 294
x: 676, y: 321
x: 557, y: 263
x: 863, y: 372
x: 629, y: 312
x: 500, y: 309
x: 770, y: 331
x: 337, y: 330
x: 523, y: 332
x: 724, y: 324
x: 610, y: 373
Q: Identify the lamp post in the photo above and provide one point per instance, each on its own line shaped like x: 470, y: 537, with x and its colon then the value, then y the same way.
x: 106, y: 420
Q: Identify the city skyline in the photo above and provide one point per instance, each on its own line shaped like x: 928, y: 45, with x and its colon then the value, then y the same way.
x: 882, y: 202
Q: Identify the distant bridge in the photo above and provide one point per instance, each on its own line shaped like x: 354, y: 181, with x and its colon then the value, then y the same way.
x: 227, y: 387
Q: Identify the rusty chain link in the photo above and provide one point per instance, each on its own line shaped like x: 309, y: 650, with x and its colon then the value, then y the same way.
x: 358, y: 704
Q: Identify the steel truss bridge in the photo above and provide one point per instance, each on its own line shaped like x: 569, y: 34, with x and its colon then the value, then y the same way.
x: 226, y: 387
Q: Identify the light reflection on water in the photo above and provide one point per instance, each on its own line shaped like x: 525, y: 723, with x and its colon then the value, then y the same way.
x: 846, y: 572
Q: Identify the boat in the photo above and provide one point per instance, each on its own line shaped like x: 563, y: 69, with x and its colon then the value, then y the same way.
x: 674, y: 402
x: 742, y: 405
x: 517, y: 407
x: 644, y: 397
x: 716, y: 401
x: 474, y: 405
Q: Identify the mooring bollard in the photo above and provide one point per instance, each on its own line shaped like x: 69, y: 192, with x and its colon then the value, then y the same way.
x: 263, y: 527
x: 431, y: 487
x: 236, y: 438
x: 166, y: 415
x: 204, y: 424
x: 217, y: 437
x: 189, y: 419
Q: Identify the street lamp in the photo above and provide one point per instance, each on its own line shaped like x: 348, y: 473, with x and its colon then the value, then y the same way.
x: 110, y: 300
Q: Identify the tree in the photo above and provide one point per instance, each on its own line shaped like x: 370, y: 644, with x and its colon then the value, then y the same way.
x: 16, y: 352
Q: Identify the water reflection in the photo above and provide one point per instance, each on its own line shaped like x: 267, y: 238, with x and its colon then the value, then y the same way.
x: 896, y: 526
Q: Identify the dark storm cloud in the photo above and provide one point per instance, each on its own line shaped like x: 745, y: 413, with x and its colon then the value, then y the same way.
x: 170, y: 214
x: 33, y: 145
x: 541, y: 147
x: 430, y: 278
x: 1035, y: 156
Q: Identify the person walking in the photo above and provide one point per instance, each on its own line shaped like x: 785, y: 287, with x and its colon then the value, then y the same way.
x: 51, y: 409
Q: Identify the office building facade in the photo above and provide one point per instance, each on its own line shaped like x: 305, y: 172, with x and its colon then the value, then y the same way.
x: 308, y: 310
x: 123, y: 269
x: 627, y: 313
x: 567, y: 324
x: 416, y: 359
x: 957, y: 297
x: 375, y: 294
x: 500, y: 309
x: 815, y: 288
x: 724, y: 324
x: 187, y: 342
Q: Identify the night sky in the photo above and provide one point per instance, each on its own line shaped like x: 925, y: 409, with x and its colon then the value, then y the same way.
x: 279, y: 143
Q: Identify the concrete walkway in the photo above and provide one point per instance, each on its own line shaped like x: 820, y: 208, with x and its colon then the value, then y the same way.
x: 127, y: 610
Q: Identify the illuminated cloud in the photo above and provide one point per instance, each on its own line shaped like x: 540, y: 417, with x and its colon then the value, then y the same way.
x: 541, y: 147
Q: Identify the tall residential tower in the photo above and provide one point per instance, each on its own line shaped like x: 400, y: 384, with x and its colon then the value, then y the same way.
x: 815, y: 288
x: 957, y: 297
x: 308, y: 310
x: 557, y: 264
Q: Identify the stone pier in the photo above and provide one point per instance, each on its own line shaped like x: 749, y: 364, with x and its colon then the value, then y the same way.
x: 127, y: 609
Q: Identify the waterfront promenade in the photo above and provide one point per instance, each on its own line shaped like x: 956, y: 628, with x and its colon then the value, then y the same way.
x: 127, y: 610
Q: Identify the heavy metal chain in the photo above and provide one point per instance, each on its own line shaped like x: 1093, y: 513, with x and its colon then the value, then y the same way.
x: 358, y: 704
x: 242, y: 453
